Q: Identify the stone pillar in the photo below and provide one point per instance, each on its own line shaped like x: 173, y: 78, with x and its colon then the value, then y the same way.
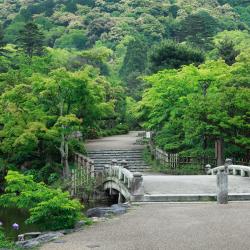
x: 207, y: 168
x: 228, y: 162
x: 242, y: 173
x: 222, y: 188
x: 114, y: 162
x: 137, y: 188
x: 124, y: 164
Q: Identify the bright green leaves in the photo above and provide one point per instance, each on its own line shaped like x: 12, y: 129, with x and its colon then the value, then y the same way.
x: 38, y: 110
x: 193, y: 106
x: 50, y: 208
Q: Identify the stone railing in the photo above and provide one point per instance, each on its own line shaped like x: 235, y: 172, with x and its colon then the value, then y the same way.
x: 132, y: 182
x: 230, y: 169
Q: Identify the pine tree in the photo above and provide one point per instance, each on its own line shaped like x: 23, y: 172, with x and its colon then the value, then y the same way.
x: 2, y: 43
x: 227, y: 51
x: 31, y: 40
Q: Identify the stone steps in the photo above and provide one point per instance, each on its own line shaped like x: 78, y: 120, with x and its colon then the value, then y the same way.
x: 134, y: 158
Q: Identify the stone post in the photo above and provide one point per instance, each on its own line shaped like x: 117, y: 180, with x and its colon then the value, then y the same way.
x: 124, y: 164
x: 137, y: 188
x: 222, y: 186
x: 228, y: 162
x: 114, y: 162
x: 207, y: 168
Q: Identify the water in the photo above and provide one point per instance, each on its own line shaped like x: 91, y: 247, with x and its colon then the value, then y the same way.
x: 9, y: 216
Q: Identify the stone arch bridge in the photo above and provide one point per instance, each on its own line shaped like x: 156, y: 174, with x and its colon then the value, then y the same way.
x: 122, y: 176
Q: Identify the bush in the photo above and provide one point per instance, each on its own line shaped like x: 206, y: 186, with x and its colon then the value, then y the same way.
x: 4, y: 244
x: 49, y: 208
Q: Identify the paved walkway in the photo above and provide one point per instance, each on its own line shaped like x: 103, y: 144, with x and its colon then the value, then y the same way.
x: 206, y: 226
x: 116, y: 142
x: 192, y: 184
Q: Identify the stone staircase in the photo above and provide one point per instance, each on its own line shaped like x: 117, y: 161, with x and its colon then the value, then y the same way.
x: 134, y: 158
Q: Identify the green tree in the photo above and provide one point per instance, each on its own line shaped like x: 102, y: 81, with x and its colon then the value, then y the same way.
x: 171, y: 55
x: 175, y: 106
x: 227, y: 51
x: 31, y: 40
x: 134, y: 64
x: 198, y: 28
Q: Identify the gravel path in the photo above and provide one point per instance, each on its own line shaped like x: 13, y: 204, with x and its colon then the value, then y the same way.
x: 167, y: 227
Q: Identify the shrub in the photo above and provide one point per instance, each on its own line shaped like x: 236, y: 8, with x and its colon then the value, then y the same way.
x: 4, y: 244
x: 49, y: 208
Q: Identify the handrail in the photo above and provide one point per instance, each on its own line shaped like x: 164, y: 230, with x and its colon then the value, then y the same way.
x: 133, y: 182
x: 86, y: 163
x: 122, y: 174
x: 84, y: 172
x: 232, y: 169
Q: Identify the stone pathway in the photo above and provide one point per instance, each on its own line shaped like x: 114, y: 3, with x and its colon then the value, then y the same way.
x: 205, y: 226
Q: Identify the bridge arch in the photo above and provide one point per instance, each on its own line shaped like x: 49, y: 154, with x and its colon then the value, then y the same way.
x: 123, y: 181
x: 113, y: 183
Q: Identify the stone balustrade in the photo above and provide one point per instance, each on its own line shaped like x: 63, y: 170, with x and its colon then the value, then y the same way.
x: 232, y: 169
x: 130, y: 184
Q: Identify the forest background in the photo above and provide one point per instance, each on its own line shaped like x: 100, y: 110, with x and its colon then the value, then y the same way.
x: 77, y: 69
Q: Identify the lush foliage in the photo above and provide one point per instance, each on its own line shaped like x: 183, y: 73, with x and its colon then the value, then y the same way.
x: 170, y: 55
x: 75, y: 69
x: 50, y: 208
x: 193, y: 106
x: 4, y: 243
x: 129, y: 28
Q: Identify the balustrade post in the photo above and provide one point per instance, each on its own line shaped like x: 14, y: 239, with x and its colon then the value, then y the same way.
x: 222, y: 183
x: 207, y: 168
x: 137, y: 188
x: 222, y: 187
x: 114, y: 162
x: 228, y: 162
x: 124, y: 164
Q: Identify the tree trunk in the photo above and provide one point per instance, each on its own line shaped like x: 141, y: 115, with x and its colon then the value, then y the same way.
x: 64, y: 150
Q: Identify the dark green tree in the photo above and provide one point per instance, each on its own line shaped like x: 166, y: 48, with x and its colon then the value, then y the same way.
x: 198, y: 28
x: 134, y: 64
x: 135, y: 58
x: 2, y: 43
x: 31, y: 40
x: 227, y: 51
x: 171, y: 55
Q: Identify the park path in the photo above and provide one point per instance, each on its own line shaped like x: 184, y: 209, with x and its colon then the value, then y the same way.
x: 116, y: 142
x: 163, y: 226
